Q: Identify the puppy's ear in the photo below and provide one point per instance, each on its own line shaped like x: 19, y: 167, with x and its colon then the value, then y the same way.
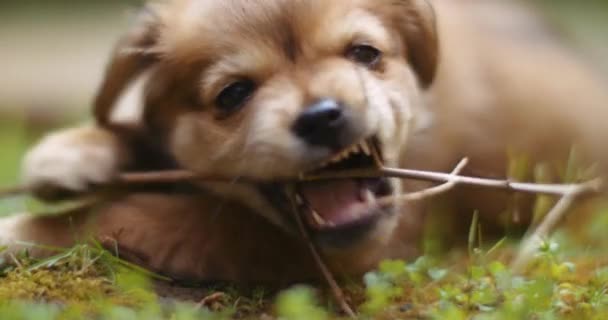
x: 133, y: 54
x: 416, y: 21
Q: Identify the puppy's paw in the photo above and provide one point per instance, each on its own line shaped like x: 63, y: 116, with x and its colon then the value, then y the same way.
x: 71, y: 161
x: 10, y: 228
x: 7, y: 230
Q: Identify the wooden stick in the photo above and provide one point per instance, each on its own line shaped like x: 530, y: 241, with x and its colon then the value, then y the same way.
x: 329, y: 278
x: 531, y: 243
x: 173, y: 176
x: 426, y: 193
x: 169, y: 176
x: 568, y: 192
x: 534, y: 188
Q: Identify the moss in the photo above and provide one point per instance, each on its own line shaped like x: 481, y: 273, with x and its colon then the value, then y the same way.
x: 60, y: 286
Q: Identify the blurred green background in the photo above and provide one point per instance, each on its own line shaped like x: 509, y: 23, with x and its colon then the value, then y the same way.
x: 52, y: 54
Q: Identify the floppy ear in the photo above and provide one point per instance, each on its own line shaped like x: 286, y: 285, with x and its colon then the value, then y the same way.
x: 416, y: 21
x: 133, y: 54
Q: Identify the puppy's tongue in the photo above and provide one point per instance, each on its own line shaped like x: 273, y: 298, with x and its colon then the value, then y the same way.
x: 336, y: 202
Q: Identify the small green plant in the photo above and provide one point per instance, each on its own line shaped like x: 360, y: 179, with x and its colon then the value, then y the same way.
x: 299, y: 303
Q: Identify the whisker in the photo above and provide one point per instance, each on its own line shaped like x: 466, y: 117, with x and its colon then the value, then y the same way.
x: 224, y: 200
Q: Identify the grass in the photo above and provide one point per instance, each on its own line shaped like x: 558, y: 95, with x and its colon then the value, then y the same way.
x: 472, y: 284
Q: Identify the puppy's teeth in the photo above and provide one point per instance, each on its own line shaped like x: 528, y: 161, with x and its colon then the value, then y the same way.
x: 342, y: 156
x: 366, y: 149
x: 318, y: 219
x: 299, y: 200
x: 368, y: 196
x: 376, y: 154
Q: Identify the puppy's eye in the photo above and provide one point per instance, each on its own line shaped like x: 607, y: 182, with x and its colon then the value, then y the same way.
x: 365, y: 55
x: 235, y: 95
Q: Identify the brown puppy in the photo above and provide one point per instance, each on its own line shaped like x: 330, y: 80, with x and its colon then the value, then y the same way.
x: 268, y: 90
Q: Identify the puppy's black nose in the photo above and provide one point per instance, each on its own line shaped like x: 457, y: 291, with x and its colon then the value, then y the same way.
x: 322, y: 124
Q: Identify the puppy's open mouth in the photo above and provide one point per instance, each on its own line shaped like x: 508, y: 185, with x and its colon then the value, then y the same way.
x: 336, y: 208
x: 340, y: 204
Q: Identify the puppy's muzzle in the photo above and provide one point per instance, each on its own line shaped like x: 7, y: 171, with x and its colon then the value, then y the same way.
x: 337, y: 212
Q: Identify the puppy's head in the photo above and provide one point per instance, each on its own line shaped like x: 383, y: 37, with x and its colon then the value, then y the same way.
x: 271, y: 90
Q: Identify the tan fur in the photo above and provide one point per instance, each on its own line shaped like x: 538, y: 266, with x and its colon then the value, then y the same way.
x: 73, y: 160
x: 494, y: 90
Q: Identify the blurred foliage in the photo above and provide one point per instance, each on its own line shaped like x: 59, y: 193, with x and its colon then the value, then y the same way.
x: 299, y: 303
x: 29, y: 4
x: 14, y: 141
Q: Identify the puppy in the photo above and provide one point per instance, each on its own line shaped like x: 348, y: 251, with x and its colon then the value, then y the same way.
x: 268, y: 91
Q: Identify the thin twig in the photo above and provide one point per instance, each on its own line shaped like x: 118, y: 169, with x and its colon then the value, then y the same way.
x: 133, y: 178
x: 329, y: 278
x: 173, y: 176
x: 506, y: 185
x: 534, y: 188
x: 427, y: 193
x: 168, y: 176
x: 568, y: 192
x: 13, y: 192
x: 531, y: 243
